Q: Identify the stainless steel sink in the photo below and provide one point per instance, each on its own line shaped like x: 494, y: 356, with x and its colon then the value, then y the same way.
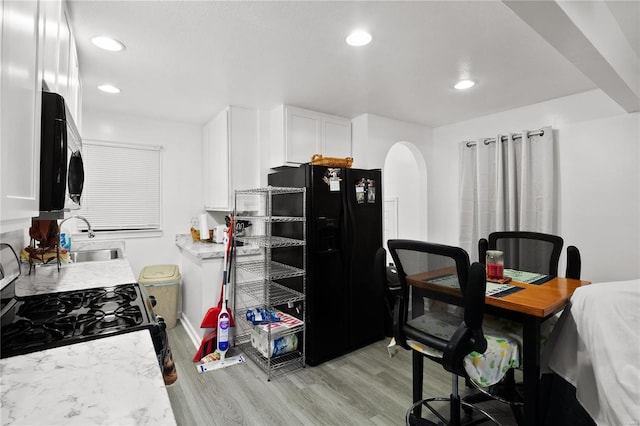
x: 95, y: 255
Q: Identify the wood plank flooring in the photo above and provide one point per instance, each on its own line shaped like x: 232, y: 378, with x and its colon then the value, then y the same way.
x: 366, y: 387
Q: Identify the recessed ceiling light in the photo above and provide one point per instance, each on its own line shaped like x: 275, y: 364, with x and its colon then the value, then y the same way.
x: 358, y: 38
x: 107, y: 43
x: 464, y: 84
x: 108, y: 88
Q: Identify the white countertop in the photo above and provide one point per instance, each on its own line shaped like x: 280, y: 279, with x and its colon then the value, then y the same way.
x: 74, y: 276
x: 109, y: 381
x: 77, y: 276
x: 204, y: 250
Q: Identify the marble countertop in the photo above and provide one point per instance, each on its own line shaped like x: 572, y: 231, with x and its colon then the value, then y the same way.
x: 209, y: 250
x: 74, y: 276
x: 109, y: 381
x: 77, y: 276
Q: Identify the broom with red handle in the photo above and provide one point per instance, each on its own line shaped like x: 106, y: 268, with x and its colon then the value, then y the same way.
x: 210, y: 320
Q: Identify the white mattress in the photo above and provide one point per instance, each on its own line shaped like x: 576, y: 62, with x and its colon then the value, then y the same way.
x: 595, y: 346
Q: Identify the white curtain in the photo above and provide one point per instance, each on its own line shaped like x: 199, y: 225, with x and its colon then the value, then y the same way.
x: 507, y: 186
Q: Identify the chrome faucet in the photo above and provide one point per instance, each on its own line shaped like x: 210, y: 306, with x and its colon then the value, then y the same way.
x: 89, y: 229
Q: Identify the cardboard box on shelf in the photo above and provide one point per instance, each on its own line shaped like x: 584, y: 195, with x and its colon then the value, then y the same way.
x: 281, y: 342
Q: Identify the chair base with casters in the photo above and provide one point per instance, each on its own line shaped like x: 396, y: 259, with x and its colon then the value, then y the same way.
x: 414, y: 413
x: 412, y: 420
x: 507, y: 392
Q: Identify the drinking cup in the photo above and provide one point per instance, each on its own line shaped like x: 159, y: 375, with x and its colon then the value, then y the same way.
x: 495, y: 264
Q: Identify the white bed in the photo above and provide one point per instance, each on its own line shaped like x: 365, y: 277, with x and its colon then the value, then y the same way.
x: 595, y: 346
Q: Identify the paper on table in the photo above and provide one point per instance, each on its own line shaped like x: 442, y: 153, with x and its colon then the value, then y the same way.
x: 446, y: 281
x: 522, y: 276
x: 493, y: 288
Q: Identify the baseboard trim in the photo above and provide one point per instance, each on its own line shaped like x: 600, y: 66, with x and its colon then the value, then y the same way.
x: 191, y: 331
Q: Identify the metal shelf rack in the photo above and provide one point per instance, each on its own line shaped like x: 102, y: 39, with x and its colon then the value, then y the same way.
x: 260, y: 282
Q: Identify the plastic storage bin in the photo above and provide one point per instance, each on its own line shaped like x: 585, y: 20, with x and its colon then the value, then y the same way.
x: 163, y: 283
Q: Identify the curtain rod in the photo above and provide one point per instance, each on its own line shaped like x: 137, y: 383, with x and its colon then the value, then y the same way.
x: 505, y: 138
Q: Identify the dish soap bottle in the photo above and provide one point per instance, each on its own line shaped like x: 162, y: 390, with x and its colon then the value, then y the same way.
x: 65, y: 238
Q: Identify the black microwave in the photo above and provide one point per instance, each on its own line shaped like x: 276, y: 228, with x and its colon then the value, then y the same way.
x: 61, y: 166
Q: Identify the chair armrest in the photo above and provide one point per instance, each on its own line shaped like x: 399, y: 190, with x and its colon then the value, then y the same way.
x: 462, y: 343
x: 399, y: 319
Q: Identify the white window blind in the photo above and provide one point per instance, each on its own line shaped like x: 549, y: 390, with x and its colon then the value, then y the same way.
x: 122, y: 186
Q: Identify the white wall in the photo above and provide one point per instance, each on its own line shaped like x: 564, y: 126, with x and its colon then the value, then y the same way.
x: 372, y: 138
x: 181, y: 177
x: 401, y: 175
x: 599, y: 149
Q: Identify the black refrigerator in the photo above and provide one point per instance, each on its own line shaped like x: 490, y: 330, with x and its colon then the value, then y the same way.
x: 345, y: 309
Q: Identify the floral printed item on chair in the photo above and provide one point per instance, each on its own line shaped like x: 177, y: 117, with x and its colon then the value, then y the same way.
x: 489, y: 368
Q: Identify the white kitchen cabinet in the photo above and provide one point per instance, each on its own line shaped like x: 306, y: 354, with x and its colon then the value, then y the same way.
x: 64, y: 49
x: 231, y: 156
x: 336, y: 137
x: 201, y: 283
x: 61, y: 70
x: 50, y: 14
x: 20, y: 85
x: 74, y: 88
x: 297, y: 134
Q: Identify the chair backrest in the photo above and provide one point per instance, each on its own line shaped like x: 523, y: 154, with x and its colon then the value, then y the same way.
x: 440, y: 265
x: 525, y: 251
x: 574, y: 263
x: 444, y: 274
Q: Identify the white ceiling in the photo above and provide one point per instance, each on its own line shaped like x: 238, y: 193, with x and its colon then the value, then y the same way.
x: 186, y: 60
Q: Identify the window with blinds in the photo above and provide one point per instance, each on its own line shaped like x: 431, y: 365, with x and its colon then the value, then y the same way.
x: 122, y: 186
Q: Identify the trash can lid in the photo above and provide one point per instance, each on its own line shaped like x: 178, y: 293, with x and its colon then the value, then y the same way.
x: 159, y: 274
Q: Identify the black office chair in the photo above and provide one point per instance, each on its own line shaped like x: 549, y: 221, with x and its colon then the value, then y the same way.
x: 574, y: 263
x: 525, y: 251
x: 451, y: 280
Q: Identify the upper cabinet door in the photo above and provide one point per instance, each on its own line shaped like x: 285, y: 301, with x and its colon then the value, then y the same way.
x: 64, y: 40
x: 232, y: 156
x: 336, y: 137
x: 51, y: 12
x: 21, y: 83
x: 303, y: 136
x: 217, y: 192
x: 74, y: 83
x: 61, y: 70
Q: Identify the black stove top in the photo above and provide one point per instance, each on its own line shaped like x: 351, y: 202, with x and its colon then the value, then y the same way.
x: 46, y: 321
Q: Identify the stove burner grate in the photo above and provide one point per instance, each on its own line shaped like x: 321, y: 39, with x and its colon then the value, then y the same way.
x: 45, y: 321
x: 24, y: 334
x: 121, y: 295
x: 121, y: 318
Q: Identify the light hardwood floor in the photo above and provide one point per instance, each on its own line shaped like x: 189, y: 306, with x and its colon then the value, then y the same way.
x: 366, y: 387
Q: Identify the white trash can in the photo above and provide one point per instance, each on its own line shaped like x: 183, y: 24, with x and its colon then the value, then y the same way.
x: 163, y: 283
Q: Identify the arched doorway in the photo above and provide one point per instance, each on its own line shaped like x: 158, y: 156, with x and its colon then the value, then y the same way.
x: 405, y: 193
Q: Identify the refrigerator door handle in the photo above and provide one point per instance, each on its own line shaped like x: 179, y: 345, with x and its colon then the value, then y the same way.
x: 350, y: 226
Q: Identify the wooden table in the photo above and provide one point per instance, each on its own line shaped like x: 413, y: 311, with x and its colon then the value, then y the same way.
x: 530, y: 307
